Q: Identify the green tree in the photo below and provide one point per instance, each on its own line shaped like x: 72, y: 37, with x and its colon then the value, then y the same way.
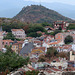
x: 55, y: 32
x: 42, y: 58
x: 34, y: 72
x: 11, y: 61
x: 10, y: 36
x: 46, y: 24
x: 71, y: 26
x: 68, y: 39
x: 32, y: 30
x: 60, y: 28
x: 51, y: 52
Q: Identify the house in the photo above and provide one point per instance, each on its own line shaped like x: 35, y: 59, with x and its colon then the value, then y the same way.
x: 62, y: 24
x: 49, y: 29
x: 71, y: 64
x: 26, y: 50
x: 18, y: 33
x: 37, y: 43
x: 55, y: 44
x: 30, y: 39
x: 39, y: 32
x: 17, y: 46
x: 37, y: 51
x: 47, y: 40
x: 61, y: 36
x: 7, y: 42
x: 4, y: 33
x: 60, y: 62
x: 73, y: 47
x: 64, y: 48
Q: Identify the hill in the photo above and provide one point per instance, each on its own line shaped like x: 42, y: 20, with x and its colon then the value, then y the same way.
x: 39, y: 14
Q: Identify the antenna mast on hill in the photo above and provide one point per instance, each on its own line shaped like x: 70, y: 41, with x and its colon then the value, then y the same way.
x: 40, y: 2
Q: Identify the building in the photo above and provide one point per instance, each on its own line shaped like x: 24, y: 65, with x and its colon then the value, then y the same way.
x: 7, y: 42
x: 37, y: 51
x: 64, y: 48
x: 37, y: 43
x: 26, y: 49
x: 62, y: 24
x: 60, y: 62
x: 18, y: 33
x: 61, y: 36
x: 72, y: 56
x: 49, y: 29
x: 1, y: 38
x: 17, y: 46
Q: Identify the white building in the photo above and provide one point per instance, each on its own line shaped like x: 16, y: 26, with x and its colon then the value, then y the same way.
x: 18, y: 33
x: 1, y: 40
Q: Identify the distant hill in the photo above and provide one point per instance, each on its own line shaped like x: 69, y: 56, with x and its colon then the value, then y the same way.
x: 39, y: 14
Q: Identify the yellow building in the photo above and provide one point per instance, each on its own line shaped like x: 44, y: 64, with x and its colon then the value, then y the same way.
x: 17, y: 47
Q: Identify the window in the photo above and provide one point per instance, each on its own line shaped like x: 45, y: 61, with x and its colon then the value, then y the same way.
x: 3, y: 43
x: 6, y: 43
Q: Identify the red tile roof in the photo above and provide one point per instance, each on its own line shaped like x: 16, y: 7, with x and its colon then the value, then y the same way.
x: 17, y: 30
x: 55, y: 69
x: 8, y: 41
x: 37, y: 41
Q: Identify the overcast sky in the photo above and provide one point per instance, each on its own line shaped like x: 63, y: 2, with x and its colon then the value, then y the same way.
x: 72, y: 2
x: 9, y: 8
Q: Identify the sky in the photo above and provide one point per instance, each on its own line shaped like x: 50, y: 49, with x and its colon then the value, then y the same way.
x: 71, y: 2
x: 9, y: 8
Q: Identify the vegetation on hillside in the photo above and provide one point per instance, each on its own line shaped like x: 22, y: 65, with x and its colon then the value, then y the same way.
x: 29, y: 28
x: 39, y: 14
x: 71, y: 27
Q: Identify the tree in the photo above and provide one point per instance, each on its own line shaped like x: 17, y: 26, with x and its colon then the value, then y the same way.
x: 42, y: 58
x: 34, y: 72
x: 63, y: 55
x: 26, y: 27
x: 10, y: 36
x: 68, y: 39
x: 32, y: 31
x: 55, y: 32
x: 71, y: 26
x: 46, y: 24
x: 51, y: 52
x: 60, y: 28
x: 11, y: 61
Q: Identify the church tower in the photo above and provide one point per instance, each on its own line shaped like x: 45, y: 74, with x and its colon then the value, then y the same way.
x: 1, y: 38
